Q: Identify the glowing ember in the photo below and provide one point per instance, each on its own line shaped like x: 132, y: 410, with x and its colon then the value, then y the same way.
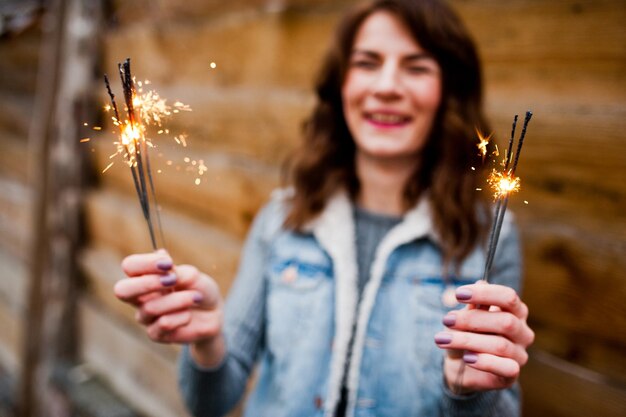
x: 482, y: 142
x: 503, y: 184
x: 151, y: 109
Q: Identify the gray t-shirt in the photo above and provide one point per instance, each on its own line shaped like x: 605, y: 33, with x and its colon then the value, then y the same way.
x: 370, y: 230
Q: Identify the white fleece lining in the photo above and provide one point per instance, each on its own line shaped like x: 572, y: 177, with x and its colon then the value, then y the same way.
x: 416, y: 223
x: 334, y: 229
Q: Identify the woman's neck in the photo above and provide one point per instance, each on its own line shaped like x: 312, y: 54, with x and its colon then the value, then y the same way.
x: 382, y: 183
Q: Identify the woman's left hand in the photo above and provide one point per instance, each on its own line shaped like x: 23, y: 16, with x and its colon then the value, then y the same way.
x: 489, y: 337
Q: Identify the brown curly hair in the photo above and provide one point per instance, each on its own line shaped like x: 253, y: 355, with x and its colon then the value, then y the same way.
x: 326, y: 160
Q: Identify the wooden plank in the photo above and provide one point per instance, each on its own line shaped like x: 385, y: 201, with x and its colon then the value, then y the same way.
x: 254, y: 49
x: 259, y: 123
x: 101, y: 267
x: 11, y: 323
x: 12, y: 297
x: 230, y: 192
x: 578, y: 348
x: 18, y: 61
x: 13, y: 283
x: 116, y: 221
x: 142, y: 376
x: 15, y: 217
x: 582, y: 275
x: 128, y: 13
x: 556, y: 388
x: 556, y: 30
x: 13, y: 156
x: 15, y: 112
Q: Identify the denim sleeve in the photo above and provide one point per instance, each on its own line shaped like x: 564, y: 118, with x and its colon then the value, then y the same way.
x: 215, y: 391
x: 506, y: 271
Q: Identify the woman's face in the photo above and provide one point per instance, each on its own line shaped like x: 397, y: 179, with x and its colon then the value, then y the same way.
x: 392, y: 90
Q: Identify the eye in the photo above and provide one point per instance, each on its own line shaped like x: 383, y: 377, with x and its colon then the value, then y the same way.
x: 363, y: 63
x: 419, y: 69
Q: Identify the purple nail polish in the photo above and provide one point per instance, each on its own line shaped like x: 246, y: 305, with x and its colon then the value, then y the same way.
x: 449, y: 320
x: 443, y: 338
x: 168, y: 280
x: 470, y: 357
x: 164, y: 265
x: 463, y: 294
x: 197, y: 298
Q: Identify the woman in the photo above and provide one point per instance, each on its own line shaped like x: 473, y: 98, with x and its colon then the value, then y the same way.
x: 345, y: 278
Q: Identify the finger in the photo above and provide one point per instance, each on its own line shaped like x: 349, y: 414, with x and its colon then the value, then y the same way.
x: 481, y: 343
x: 166, y: 324
x: 130, y: 289
x: 203, y: 325
x: 462, y: 378
x: 493, y: 295
x: 494, y: 322
x: 506, y: 368
x: 147, y: 263
x: 168, y: 304
x: 190, y: 278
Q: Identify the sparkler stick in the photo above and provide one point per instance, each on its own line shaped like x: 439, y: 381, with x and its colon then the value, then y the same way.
x: 129, y: 90
x: 492, y: 236
x: 503, y: 201
x: 143, y: 110
x: 119, y: 123
x: 502, y: 192
x: 134, y: 146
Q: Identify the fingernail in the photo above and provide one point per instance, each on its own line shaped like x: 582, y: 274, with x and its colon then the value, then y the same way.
x: 463, y: 294
x: 443, y: 338
x: 470, y: 357
x: 164, y: 264
x: 197, y: 298
x: 168, y: 280
x: 449, y: 320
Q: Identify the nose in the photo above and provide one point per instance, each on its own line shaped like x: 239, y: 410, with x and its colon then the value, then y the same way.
x: 387, y: 83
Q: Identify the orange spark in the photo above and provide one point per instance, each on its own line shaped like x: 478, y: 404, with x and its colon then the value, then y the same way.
x: 503, y: 184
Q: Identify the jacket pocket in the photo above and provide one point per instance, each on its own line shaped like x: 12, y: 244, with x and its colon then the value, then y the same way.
x: 299, y: 296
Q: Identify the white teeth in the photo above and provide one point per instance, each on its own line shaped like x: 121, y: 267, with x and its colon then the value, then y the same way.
x: 386, y: 118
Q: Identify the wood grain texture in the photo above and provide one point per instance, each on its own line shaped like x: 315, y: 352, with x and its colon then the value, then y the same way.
x: 556, y: 388
x: 16, y: 212
x: 13, y: 283
x: 115, y: 222
x: 230, y: 191
x: 137, y: 372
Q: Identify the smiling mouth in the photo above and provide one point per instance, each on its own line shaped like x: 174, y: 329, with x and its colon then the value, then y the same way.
x: 387, y: 119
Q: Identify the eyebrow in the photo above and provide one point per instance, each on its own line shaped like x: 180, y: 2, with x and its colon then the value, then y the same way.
x: 412, y: 57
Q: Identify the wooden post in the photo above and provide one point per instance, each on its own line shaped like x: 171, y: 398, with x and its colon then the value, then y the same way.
x: 65, y: 83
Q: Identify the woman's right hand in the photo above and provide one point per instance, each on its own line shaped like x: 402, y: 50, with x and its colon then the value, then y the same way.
x: 176, y: 304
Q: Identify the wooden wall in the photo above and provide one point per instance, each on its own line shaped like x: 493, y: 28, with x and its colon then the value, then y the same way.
x: 563, y: 59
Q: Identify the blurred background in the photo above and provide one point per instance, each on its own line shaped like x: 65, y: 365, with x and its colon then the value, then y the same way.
x: 68, y: 348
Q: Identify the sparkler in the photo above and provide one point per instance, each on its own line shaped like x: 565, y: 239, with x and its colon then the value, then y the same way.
x: 503, y: 184
x: 133, y: 144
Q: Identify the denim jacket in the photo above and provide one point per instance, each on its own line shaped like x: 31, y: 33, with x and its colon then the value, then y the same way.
x: 293, y: 307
